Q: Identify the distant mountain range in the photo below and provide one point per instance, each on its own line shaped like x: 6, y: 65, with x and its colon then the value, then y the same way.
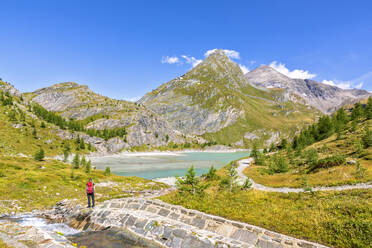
x: 214, y: 102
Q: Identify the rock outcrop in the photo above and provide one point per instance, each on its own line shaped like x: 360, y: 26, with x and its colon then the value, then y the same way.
x: 7, y: 87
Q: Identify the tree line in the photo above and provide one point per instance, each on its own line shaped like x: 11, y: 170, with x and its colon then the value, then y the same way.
x: 75, y: 125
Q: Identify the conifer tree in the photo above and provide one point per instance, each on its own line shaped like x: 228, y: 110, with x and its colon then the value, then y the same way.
x: 88, y: 166
x: 39, y: 155
x: 76, y: 161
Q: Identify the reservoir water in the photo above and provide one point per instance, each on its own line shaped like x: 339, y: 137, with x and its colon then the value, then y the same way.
x: 163, y: 165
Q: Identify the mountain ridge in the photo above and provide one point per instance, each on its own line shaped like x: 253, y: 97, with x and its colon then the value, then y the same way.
x: 326, y: 98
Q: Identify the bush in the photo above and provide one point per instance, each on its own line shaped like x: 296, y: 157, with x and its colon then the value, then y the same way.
x: 328, y: 162
x: 312, y: 156
x: 247, y: 184
x: 278, y: 165
x: 260, y: 159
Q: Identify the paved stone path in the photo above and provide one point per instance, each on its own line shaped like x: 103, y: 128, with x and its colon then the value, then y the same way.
x: 244, y: 163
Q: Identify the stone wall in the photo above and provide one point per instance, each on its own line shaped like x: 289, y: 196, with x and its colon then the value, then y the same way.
x: 174, y: 226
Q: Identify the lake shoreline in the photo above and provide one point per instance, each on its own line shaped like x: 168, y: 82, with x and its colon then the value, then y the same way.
x: 163, y: 153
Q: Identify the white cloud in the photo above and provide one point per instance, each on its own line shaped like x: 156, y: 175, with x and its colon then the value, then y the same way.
x: 244, y: 68
x: 133, y: 99
x: 297, y: 73
x: 329, y: 82
x: 191, y: 60
x: 359, y: 86
x: 229, y: 53
x: 352, y: 84
x: 169, y: 60
x: 346, y: 85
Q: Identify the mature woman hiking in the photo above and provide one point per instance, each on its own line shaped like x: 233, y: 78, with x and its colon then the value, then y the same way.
x: 90, y: 192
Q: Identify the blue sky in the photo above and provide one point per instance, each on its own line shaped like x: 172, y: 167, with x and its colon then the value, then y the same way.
x: 123, y: 49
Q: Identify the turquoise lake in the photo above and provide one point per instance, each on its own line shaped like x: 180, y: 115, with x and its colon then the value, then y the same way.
x: 167, y: 165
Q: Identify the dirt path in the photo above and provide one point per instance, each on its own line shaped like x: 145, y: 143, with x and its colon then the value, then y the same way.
x: 244, y: 163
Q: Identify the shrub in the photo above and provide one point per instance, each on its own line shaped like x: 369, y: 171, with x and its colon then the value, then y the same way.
x: 260, y: 159
x: 328, y: 162
x: 247, y: 184
x: 312, y: 156
x: 278, y: 165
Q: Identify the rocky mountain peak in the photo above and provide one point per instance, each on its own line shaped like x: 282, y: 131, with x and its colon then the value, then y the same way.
x: 267, y: 77
x: 323, y: 97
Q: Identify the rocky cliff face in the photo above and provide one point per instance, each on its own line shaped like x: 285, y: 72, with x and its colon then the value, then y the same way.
x: 323, y: 97
x: 76, y: 101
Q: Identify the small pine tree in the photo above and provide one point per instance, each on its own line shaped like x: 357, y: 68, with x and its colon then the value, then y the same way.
x: 211, y: 175
x: 76, y: 161
x: 367, y: 138
x: 233, y: 176
x: 166, y: 138
x: 312, y: 156
x: 34, y: 133
x: 107, y: 171
x: 358, y: 147
x: 190, y: 183
x: 83, y: 161
x: 39, y: 155
x: 255, y: 152
x: 357, y: 111
x: 368, y: 109
x: 42, y: 125
x: 82, y: 144
x: 360, y: 171
x: 65, y: 155
x: 88, y: 166
x: 72, y: 174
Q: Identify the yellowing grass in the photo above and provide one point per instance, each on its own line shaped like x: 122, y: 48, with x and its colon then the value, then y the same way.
x: 340, y: 175
x: 26, y: 185
x: 337, y: 219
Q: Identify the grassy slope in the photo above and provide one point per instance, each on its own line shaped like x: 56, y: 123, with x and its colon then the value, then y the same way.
x: 38, y: 185
x: 337, y: 219
x: 343, y: 174
x: 21, y: 140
